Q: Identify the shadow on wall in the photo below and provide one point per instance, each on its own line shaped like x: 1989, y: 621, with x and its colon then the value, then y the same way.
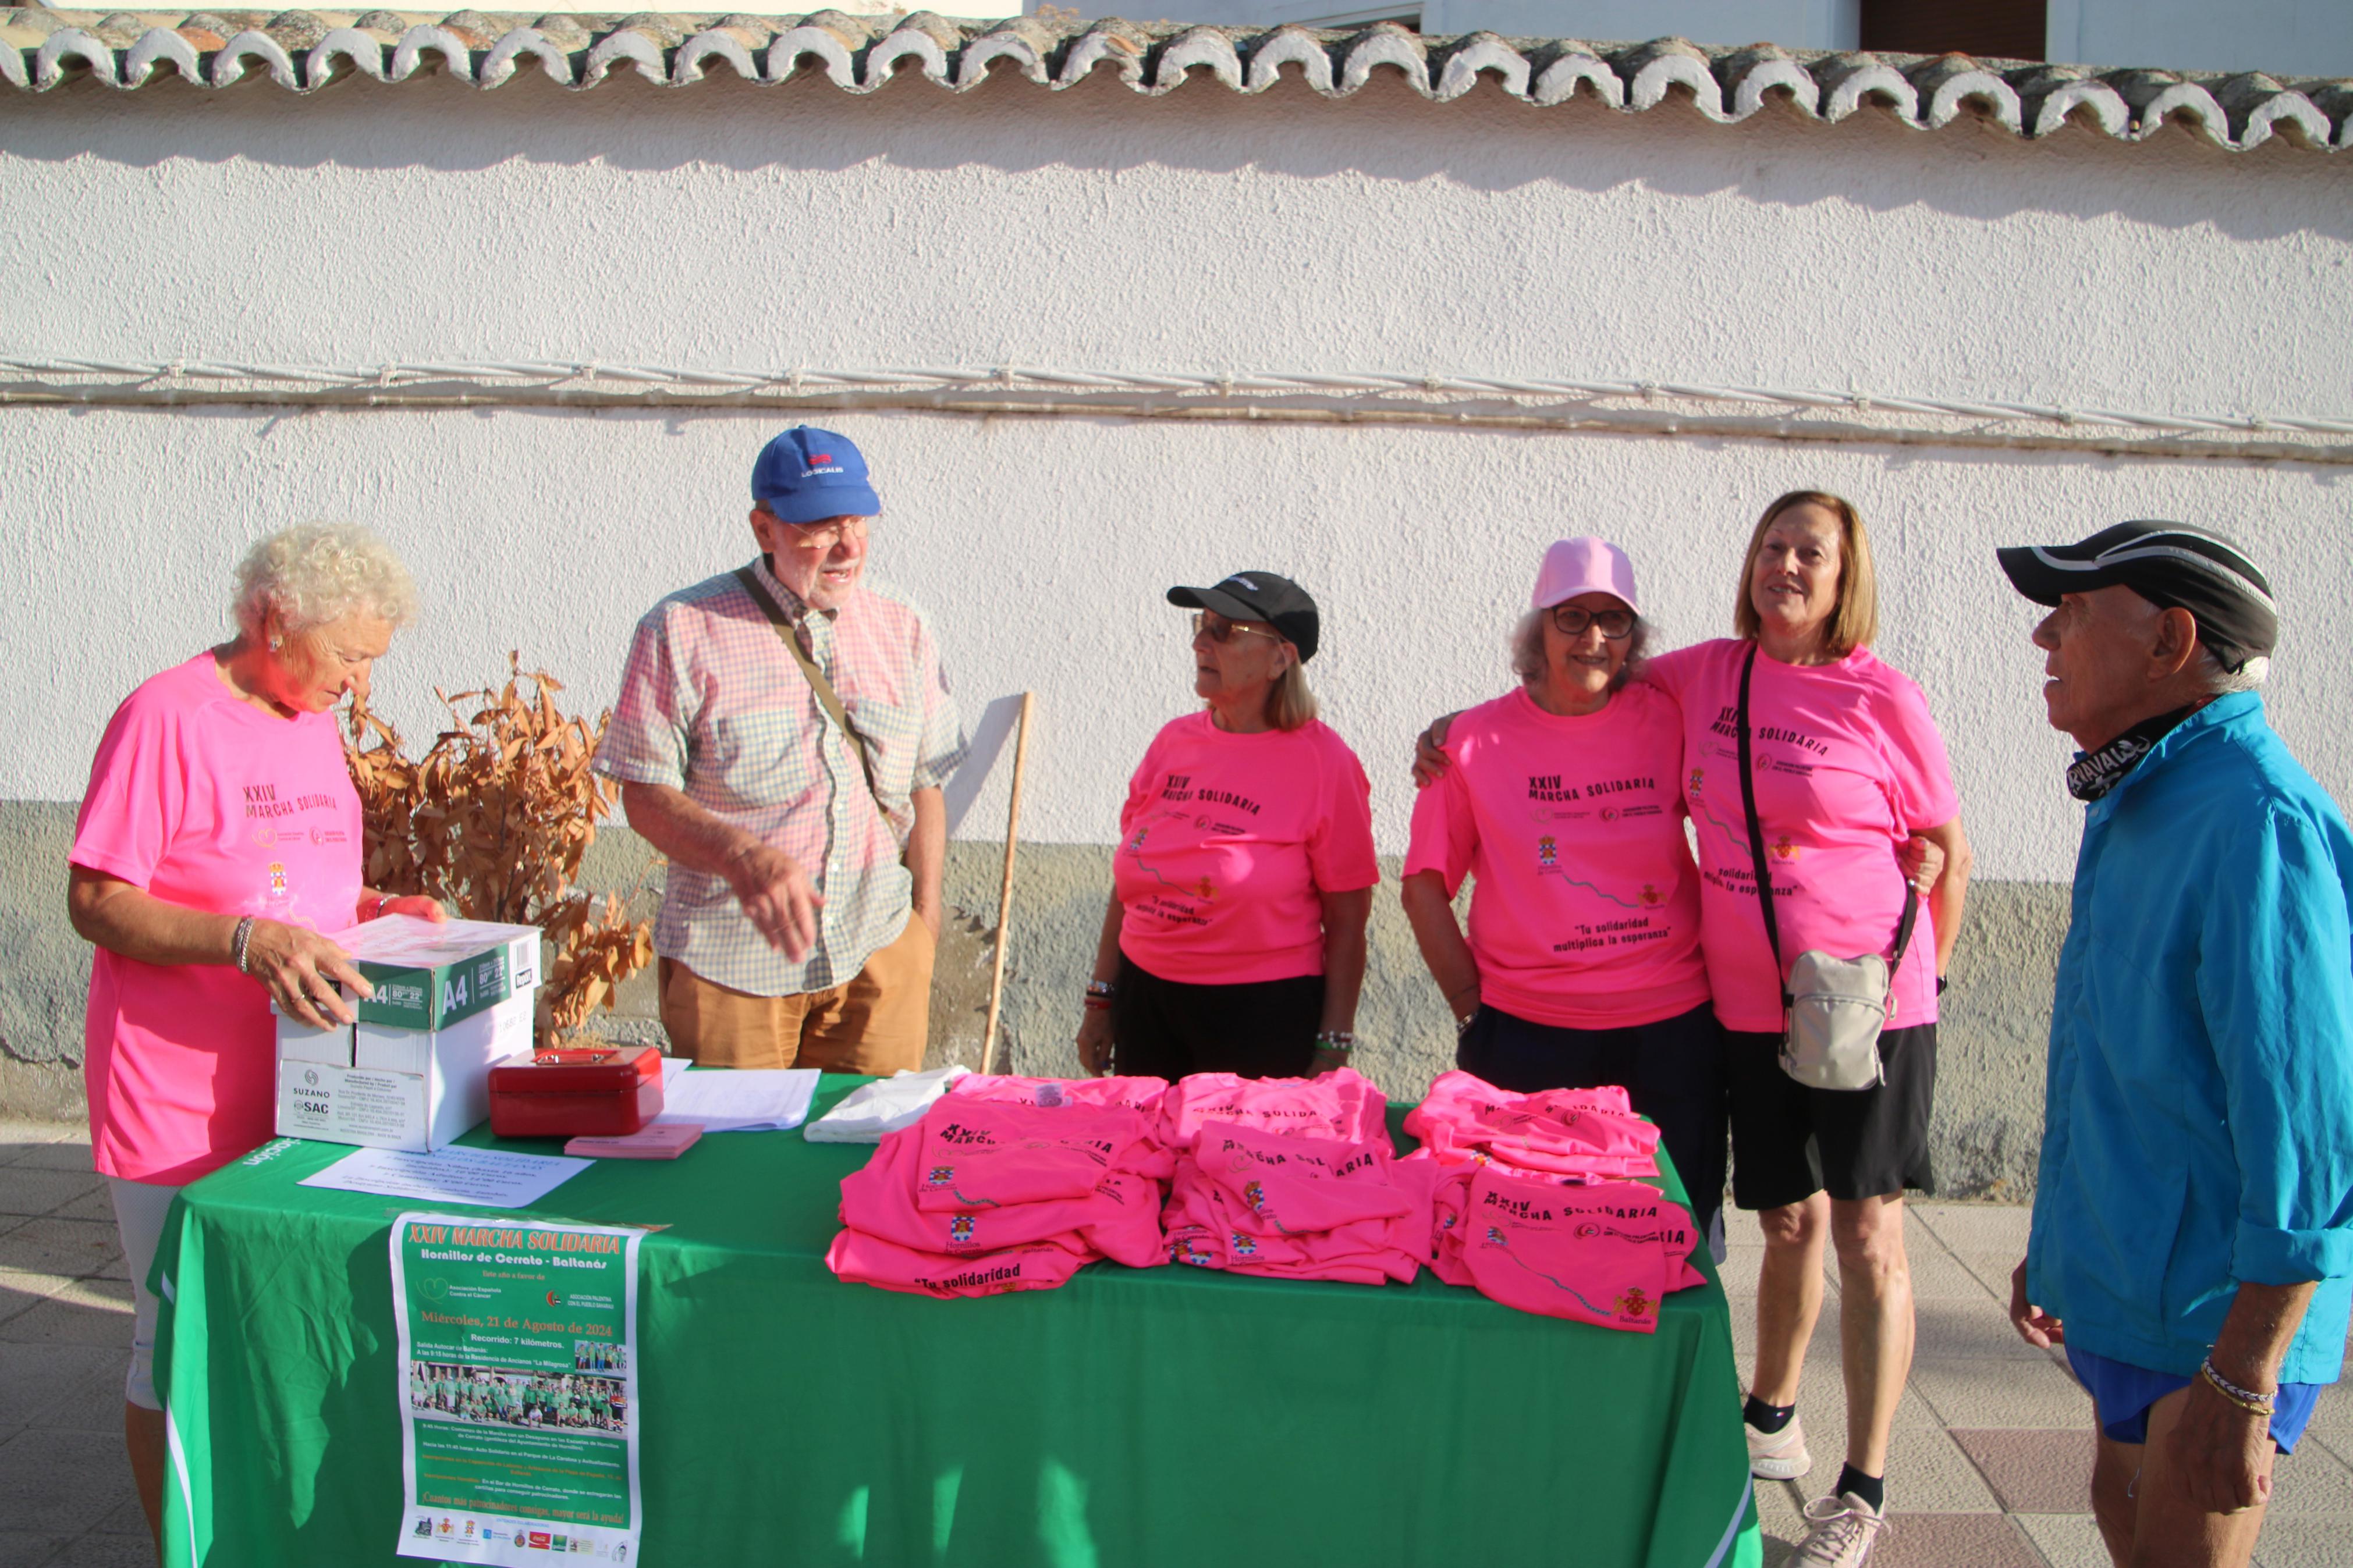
x: 1991, y: 1049
x: 1385, y: 134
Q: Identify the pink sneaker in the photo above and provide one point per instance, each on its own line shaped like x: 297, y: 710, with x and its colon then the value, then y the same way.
x: 1777, y: 1456
x: 1843, y: 1528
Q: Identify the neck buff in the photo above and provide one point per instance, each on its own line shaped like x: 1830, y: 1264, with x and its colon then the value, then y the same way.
x: 2095, y: 774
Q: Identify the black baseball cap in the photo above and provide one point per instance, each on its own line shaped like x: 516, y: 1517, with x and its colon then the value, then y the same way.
x: 1260, y: 596
x: 2170, y: 564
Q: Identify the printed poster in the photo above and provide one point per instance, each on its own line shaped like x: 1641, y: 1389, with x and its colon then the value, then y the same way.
x: 518, y: 1371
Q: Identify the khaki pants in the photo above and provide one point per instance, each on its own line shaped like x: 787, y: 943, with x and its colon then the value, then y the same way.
x: 876, y: 1022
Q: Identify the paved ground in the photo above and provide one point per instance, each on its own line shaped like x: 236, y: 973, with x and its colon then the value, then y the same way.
x: 1992, y: 1443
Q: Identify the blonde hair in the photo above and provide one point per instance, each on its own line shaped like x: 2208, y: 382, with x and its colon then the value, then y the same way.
x: 315, y: 572
x: 1854, y: 623
x: 1290, y: 705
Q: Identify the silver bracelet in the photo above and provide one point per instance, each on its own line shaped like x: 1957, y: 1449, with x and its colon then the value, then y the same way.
x: 1102, y: 988
x: 2246, y: 1398
x: 237, y: 943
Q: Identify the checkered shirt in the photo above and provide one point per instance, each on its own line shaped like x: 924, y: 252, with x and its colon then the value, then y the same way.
x: 712, y: 704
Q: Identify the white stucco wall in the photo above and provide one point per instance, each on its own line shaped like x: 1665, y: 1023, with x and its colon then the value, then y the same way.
x: 731, y: 226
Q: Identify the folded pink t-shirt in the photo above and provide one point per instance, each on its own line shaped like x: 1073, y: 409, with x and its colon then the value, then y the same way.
x: 1584, y: 1133
x: 1289, y: 1186
x: 979, y: 1154
x: 1848, y: 765
x: 205, y: 801
x: 863, y: 1260
x: 1602, y: 1254
x: 1208, y: 1228
x: 1138, y: 1094
x: 1585, y: 912
x: 1226, y: 843
x: 880, y: 1200
x: 1341, y: 1104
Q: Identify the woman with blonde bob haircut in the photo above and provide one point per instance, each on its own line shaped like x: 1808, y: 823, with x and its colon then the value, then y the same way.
x: 1847, y: 770
x: 217, y: 846
x: 1234, y: 940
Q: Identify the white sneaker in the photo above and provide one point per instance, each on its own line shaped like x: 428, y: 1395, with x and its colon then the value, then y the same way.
x: 1843, y: 1528
x: 1777, y: 1456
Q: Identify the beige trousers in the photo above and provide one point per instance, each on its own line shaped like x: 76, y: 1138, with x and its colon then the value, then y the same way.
x: 875, y: 1023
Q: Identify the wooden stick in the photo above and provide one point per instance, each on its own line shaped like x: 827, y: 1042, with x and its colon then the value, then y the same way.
x: 1005, y: 891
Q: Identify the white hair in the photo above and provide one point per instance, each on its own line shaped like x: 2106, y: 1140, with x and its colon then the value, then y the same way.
x: 315, y: 572
x: 1529, y: 649
x: 2223, y: 680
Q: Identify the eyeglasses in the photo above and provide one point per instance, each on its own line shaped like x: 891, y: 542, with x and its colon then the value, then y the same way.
x: 1616, y: 625
x: 1221, y: 631
x: 825, y: 535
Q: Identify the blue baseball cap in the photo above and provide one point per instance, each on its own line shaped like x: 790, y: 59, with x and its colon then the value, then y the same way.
x: 806, y: 475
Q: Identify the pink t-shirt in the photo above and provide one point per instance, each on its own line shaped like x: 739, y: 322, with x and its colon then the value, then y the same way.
x: 1226, y: 843
x: 1603, y: 1254
x: 1587, y: 1133
x: 983, y: 1154
x: 1342, y: 1104
x: 1848, y: 764
x: 1584, y: 914
x: 207, y: 801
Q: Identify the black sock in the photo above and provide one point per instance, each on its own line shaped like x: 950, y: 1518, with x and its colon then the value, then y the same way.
x: 1767, y: 1418
x: 1872, y: 1489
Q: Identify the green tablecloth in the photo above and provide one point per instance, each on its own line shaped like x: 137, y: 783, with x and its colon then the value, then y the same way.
x: 1132, y: 1417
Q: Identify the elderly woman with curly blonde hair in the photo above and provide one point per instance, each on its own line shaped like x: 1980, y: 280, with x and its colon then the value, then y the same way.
x: 219, y: 842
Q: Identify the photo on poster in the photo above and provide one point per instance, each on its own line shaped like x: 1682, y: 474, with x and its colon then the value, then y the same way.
x: 518, y: 1398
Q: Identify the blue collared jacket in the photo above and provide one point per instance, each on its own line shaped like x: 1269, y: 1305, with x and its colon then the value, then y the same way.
x: 2198, y: 1126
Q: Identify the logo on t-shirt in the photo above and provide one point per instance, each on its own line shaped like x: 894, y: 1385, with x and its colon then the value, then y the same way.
x: 1548, y: 852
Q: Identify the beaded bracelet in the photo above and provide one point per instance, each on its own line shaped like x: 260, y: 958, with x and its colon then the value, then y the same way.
x: 1102, y: 988
x: 236, y: 944
x: 1340, y: 1042
x: 2246, y: 1399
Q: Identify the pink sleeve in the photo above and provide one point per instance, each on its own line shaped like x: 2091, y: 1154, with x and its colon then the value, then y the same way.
x: 1340, y: 856
x: 1443, y: 833
x: 1670, y: 673
x: 1920, y: 776
x: 647, y: 741
x: 138, y: 788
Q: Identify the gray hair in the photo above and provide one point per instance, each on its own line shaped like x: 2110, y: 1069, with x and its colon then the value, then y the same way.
x: 1528, y: 653
x: 315, y: 572
x: 2221, y: 680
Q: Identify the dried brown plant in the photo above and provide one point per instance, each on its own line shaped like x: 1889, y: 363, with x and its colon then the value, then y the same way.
x: 493, y: 821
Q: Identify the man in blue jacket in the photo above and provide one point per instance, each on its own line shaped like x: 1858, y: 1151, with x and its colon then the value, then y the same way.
x: 2193, y: 1245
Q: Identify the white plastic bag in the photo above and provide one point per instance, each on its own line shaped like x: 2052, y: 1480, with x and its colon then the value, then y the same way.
x: 866, y: 1113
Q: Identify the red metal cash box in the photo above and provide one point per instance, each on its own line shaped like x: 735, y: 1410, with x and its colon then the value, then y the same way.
x: 571, y: 1091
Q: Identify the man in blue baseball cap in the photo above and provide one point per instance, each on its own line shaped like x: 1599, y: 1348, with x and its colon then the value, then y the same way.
x: 782, y: 735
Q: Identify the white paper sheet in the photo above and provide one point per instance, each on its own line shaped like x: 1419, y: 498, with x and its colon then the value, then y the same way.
x: 723, y: 1099
x: 487, y: 1178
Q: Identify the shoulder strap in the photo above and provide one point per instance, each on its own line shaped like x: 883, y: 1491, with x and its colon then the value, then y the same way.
x: 1763, y: 874
x: 827, y: 697
x: 1757, y: 830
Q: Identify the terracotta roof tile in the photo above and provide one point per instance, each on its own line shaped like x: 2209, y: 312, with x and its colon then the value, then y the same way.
x: 303, y: 51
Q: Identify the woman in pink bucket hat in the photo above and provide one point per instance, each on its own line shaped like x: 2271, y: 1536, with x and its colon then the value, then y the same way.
x: 1564, y: 804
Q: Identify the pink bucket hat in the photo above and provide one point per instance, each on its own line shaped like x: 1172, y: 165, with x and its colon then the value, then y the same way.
x: 1584, y: 565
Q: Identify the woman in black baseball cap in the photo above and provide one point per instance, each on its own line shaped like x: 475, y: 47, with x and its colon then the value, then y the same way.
x: 1234, y: 941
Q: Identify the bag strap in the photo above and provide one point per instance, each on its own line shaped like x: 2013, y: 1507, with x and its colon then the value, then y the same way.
x: 1764, y: 875
x: 828, y: 698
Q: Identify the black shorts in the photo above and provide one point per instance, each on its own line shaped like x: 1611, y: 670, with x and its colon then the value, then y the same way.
x: 1167, y: 1028
x: 1789, y: 1142
x: 1671, y: 1071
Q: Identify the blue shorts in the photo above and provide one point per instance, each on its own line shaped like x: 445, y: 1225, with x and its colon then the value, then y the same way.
x: 2122, y: 1392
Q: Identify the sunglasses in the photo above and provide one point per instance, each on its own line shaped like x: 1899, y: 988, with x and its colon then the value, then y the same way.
x: 1219, y: 630
x: 1616, y: 625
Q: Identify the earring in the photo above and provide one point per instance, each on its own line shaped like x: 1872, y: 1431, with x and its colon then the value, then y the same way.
x: 275, y: 644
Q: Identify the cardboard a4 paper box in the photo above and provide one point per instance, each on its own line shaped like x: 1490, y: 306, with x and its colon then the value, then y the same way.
x: 414, y: 1073
x: 401, y: 1089
x: 428, y: 974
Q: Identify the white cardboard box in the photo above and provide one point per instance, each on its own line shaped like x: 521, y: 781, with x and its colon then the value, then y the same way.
x: 297, y: 1041
x: 416, y: 1089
